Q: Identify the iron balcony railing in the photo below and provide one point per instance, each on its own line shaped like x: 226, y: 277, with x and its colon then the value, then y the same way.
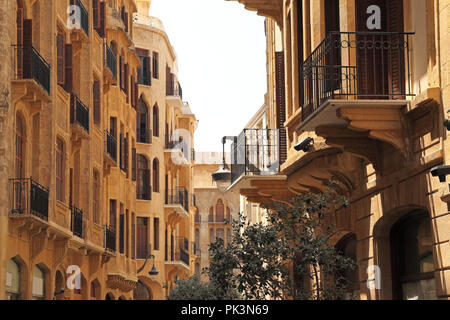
x: 76, y: 225
x: 29, y: 64
x: 255, y: 152
x: 144, y: 135
x: 111, y: 61
x: 79, y: 113
x: 110, y: 239
x: 178, y: 196
x: 84, y: 15
x: 29, y: 197
x: 173, y: 88
x: 111, y: 146
x: 356, y: 65
x: 179, y: 145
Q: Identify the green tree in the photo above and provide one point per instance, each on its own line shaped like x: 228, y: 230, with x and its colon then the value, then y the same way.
x: 273, y: 260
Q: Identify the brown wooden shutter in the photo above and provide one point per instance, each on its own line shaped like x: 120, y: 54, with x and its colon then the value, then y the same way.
x: 126, y: 86
x: 27, y: 48
x: 133, y: 164
x: 136, y: 94
x: 126, y: 21
x: 132, y: 93
x: 147, y: 186
x: 121, y: 72
x: 96, y: 14
x: 397, y: 64
x: 102, y: 27
x: 60, y: 58
x: 97, y: 103
x: 281, y: 104
x: 121, y: 152
x: 68, y: 68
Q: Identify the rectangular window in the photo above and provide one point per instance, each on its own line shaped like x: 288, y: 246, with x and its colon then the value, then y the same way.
x: 95, y: 202
x: 127, y: 226
x: 155, y: 65
x: 133, y: 237
x: 156, y: 233
x: 59, y: 170
x: 142, y: 238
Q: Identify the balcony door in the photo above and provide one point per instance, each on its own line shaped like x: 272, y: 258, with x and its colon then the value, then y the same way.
x: 380, y: 53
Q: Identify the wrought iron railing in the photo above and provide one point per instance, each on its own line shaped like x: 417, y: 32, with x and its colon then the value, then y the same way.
x: 356, y: 65
x: 144, y: 135
x: 76, y: 225
x: 178, y: 196
x: 84, y: 15
x: 173, y: 88
x: 111, y: 146
x: 110, y: 239
x: 29, y: 64
x: 111, y: 61
x: 29, y: 197
x: 255, y: 152
x: 79, y: 113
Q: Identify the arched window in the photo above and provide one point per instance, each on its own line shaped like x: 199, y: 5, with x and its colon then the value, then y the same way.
x: 20, y: 147
x: 95, y: 290
x: 211, y: 236
x: 12, y: 280
x: 109, y: 296
x: 141, y: 292
x: 347, y: 247
x: 228, y: 215
x: 155, y: 175
x: 142, y: 127
x: 143, y: 178
x: 197, y: 215
x: 220, y: 208
x: 412, y: 258
x: 220, y: 234
x: 155, y: 121
x: 211, y: 215
x: 38, y: 291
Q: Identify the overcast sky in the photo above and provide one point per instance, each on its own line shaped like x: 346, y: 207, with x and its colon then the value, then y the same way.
x: 222, y: 64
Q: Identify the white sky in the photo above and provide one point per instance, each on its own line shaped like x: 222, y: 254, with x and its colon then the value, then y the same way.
x: 221, y: 60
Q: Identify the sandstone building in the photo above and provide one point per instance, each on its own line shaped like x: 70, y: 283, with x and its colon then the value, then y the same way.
x: 358, y: 91
x: 96, y: 154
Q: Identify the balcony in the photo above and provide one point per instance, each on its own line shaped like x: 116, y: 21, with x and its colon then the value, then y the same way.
x: 31, y: 74
x: 81, y: 31
x: 76, y: 225
x: 111, y: 149
x: 177, y: 201
x: 174, y: 93
x: 179, y: 255
x: 111, y: 65
x: 267, y: 8
x: 179, y: 151
x: 144, y: 135
x: 28, y: 198
x: 363, y: 69
x: 79, y: 116
x: 110, y: 239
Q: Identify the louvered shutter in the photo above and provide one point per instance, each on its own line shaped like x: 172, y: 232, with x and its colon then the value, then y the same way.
x: 121, y: 152
x: 126, y: 21
x: 126, y: 86
x: 333, y: 56
x: 281, y: 104
x: 102, y: 28
x: 397, y: 64
x: 60, y: 58
x: 97, y: 104
x: 96, y: 14
x: 27, y: 48
x: 133, y: 164
x: 68, y: 68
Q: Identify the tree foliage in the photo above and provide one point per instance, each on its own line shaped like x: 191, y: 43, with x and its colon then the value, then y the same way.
x: 275, y: 260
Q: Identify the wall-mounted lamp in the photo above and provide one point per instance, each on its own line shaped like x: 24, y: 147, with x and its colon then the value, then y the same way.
x: 304, y: 145
x: 152, y: 272
x: 222, y: 176
x: 440, y: 171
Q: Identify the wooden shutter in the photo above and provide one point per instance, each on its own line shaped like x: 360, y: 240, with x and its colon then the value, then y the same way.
x: 121, y: 152
x: 96, y: 13
x: 97, y: 103
x: 133, y: 95
x: 121, y: 232
x: 147, y: 72
x: 68, y: 68
x: 397, y: 64
x: 126, y: 86
x: 133, y: 164
x: 60, y: 58
x: 121, y: 73
x: 281, y: 104
x: 102, y: 28
x: 27, y: 48
x: 333, y: 56
x: 126, y: 21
